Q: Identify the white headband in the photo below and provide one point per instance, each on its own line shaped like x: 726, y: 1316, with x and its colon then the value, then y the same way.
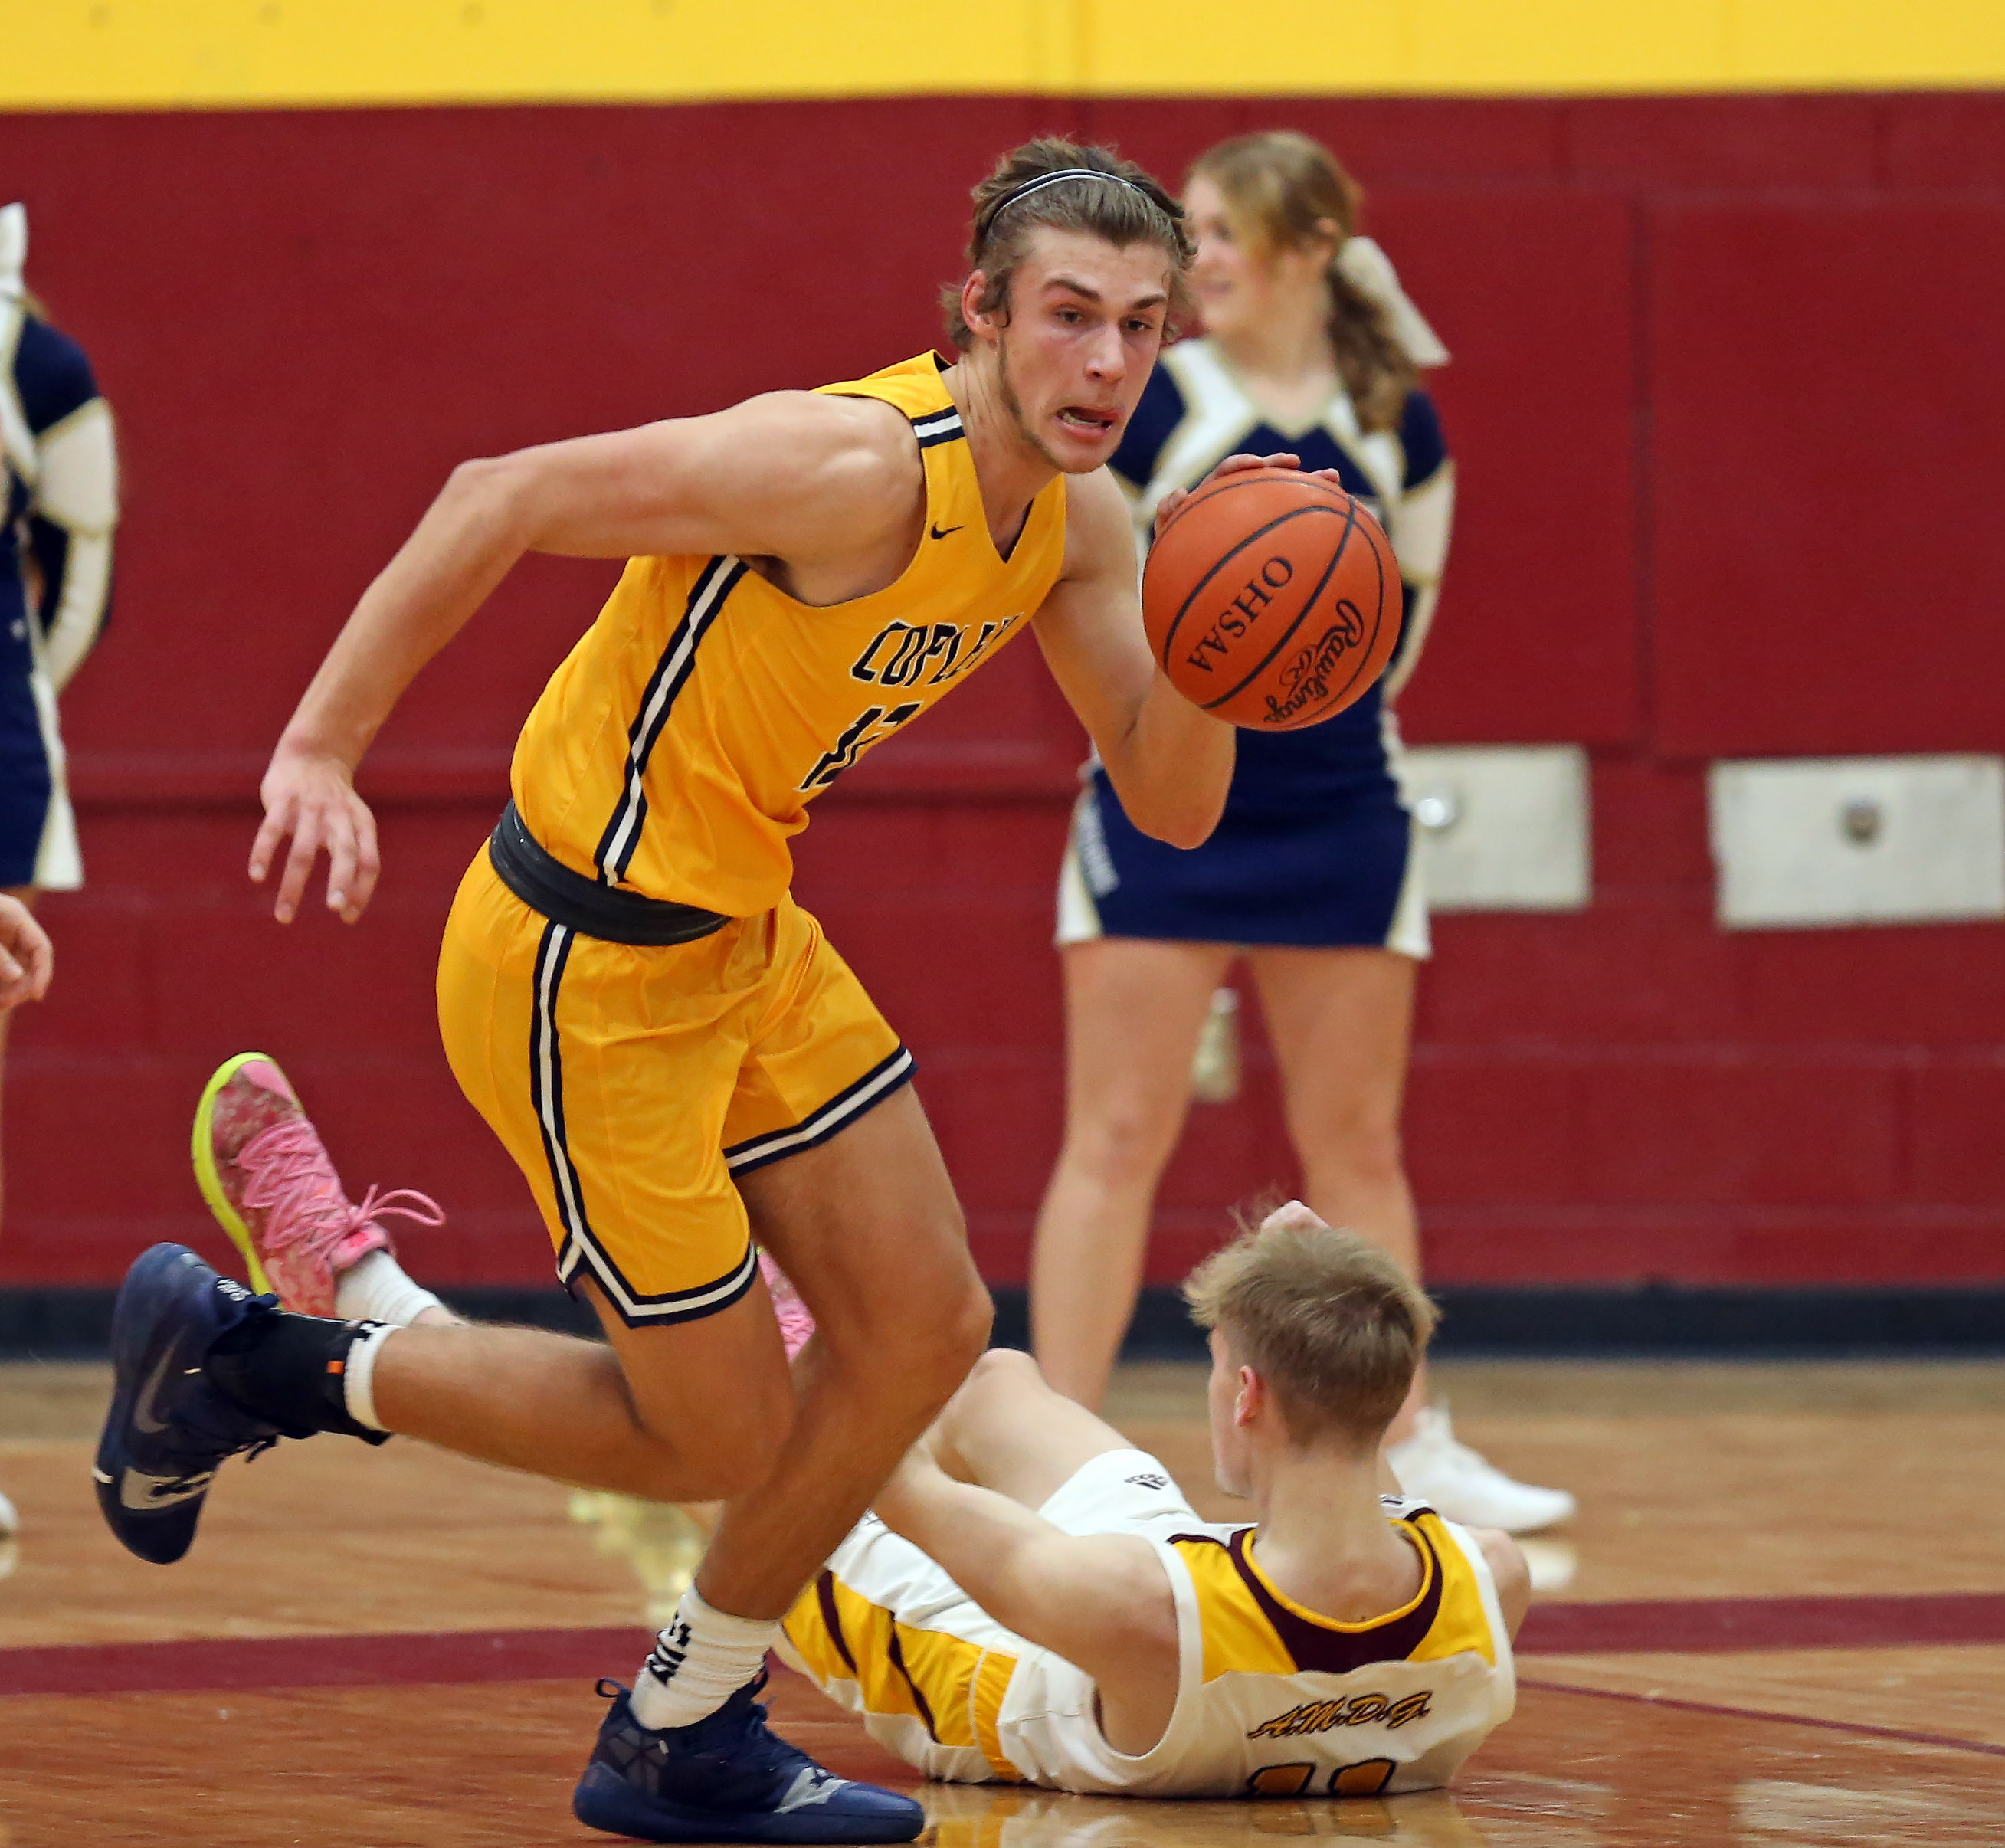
x: 13, y: 248
x: 1064, y: 173
x: 1369, y: 271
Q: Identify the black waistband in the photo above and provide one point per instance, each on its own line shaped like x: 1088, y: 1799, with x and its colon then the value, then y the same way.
x: 546, y: 885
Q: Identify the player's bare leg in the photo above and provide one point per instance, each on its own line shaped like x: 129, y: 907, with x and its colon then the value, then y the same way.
x: 869, y: 1235
x: 1340, y: 1022
x: 706, y: 1409
x: 1133, y: 1012
x: 867, y: 1229
x: 692, y: 1412
x: 647, y: 1417
x: 1009, y: 1430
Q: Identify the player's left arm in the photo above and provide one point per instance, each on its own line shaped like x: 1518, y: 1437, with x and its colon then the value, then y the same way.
x: 1169, y: 764
x: 1102, y: 1600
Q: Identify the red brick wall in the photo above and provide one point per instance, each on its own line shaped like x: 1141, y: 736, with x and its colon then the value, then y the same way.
x: 1727, y: 398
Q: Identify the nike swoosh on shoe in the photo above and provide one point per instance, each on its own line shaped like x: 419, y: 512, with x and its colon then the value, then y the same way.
x: 143, y: 1494
x: 811, y: 1786
x: 142, y: 1405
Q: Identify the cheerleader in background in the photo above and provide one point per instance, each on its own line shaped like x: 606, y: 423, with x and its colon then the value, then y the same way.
x: 1309, y: 349
x: 60, y: 483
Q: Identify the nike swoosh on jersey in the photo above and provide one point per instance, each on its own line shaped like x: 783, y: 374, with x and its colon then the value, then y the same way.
x: 941, y: 531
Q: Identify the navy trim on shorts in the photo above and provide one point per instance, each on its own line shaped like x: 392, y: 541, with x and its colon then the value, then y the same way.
x: 838, y: 1113
x: 581, y: 1247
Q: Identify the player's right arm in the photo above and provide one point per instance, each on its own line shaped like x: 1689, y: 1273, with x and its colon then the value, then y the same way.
x: 1102, y: 1601
x: 794, y: 476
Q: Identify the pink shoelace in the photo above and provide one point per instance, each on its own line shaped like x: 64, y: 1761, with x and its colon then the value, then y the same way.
x: 287, y: 1172
x: 796, y: 1319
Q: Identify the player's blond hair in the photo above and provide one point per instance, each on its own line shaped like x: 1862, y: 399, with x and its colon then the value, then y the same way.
x: 1140, y: 211
x: 1284, y: 190
x: 1325, y: 1318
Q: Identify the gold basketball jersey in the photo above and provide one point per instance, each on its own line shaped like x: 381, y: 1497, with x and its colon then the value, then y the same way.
x: 675, y: 752
x: 1273, y: 1699
x: 1278, y: 1701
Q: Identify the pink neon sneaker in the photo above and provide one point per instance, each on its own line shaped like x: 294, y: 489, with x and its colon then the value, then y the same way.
x: 796, y: 1319
x: 267, y: 1177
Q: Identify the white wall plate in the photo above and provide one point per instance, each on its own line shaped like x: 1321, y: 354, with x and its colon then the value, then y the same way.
x: 1830, y: 841
x: 1504, y: 826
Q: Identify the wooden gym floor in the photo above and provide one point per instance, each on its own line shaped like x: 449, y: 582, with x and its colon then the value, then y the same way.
x: 1779, y: 1620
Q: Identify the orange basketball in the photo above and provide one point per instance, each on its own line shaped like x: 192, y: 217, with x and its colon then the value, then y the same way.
x: 1272, y: 599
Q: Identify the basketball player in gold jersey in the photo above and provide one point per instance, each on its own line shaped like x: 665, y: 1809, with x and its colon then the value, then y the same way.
x: 676, y: 1056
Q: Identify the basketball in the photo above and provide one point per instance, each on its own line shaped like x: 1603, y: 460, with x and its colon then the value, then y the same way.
x: 1272, y: 599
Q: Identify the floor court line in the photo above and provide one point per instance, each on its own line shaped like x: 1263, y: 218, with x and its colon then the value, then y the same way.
x: 1828, y: 1725
x: 1671, y: 1625
x: 1693, y: 1626
x: 220, y: 1664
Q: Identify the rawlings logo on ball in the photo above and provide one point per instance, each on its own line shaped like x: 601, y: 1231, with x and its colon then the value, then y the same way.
x: 1307, y: 677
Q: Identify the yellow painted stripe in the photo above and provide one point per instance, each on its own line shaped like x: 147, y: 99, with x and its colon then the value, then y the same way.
x: 150, y: 53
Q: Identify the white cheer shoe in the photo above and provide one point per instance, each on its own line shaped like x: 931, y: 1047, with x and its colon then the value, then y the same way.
x: 1463, y: 1485
x: 10, y: 1522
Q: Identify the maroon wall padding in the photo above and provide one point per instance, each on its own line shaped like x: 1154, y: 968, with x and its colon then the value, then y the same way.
x: 1726, y: 399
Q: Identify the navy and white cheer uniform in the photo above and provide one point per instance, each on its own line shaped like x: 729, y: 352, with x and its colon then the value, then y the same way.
x: 1315, y: 848
x: 61, y: 504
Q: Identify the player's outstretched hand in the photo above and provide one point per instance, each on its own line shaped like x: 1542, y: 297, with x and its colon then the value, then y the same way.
x: 26, y: 961
x: 1166, y: 510
x: 312, y: 800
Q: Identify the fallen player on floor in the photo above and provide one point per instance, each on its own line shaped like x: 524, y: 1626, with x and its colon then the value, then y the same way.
x: 1033, y: 1600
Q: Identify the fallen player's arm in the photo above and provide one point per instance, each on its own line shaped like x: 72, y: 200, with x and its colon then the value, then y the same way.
x: 794, y: 475
x: 1103, y: 1600
x: 1169, y: 764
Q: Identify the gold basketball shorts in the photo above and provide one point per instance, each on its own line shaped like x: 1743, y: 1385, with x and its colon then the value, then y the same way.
x: 634, y: 1085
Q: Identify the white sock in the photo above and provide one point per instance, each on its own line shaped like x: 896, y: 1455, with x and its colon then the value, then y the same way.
x: 698, y: 1663
x: 375, y: 1288
x: 359, y: 1372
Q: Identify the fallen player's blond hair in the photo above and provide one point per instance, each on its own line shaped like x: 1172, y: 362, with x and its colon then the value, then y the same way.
x: 1330, y: 1321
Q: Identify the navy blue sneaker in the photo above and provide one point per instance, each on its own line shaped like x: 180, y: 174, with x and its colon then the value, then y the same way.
x: 169, y: 1428
x: 726, y: 1779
